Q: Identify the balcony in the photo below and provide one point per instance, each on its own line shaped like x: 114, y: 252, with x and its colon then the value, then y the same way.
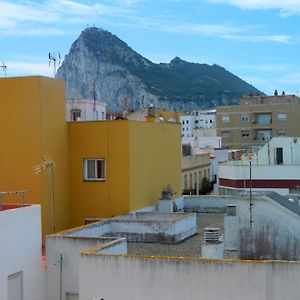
x: 264, y: 119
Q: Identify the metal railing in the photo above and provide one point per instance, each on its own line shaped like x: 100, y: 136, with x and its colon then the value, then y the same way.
x: 21, y: 193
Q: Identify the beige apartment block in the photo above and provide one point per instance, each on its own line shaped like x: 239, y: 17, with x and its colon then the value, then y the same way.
x: 257, y: 119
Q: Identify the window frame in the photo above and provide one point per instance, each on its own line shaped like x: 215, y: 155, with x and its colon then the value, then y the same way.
x: 281, y: 119
x: 77, y: 113
x: 244, y: 134
x: 245, y: 118
x: 225, y: 118
x: 95, y: 178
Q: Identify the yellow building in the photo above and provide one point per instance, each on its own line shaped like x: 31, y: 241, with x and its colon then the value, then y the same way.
x: 101, y: 168
x: 33, y: 130
x: 120, y: 166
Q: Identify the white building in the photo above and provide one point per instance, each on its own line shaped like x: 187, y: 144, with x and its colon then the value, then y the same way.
x: 85, y: 110
x: 203, y: 138
x: 187, y: 125
x: 205, y: 118
x: 21, y: 276
x: 198, y: 119
x: 275, y: 167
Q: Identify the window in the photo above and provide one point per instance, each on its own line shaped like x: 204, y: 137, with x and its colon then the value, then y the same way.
x: 264, y: 119
x: 281, y: 132
x: 245, y: 118
x: 281, y: 117
x: 264, y: 135
x: 94, y: 169
x: 225, y: 119
x: 187, y: 121
x: 183, y: 122
x: 185, y: 182
x: 245, y: 133
x: 75, y: 114
x: 279, y: 156
x: 225, y: 134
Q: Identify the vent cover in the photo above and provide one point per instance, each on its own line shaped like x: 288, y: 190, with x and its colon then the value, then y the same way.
x: 211, y: 235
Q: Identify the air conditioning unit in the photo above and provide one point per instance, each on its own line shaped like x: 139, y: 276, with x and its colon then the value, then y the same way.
x: 211, y: 235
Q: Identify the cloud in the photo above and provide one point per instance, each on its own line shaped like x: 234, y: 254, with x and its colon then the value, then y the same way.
x: 50, y: 18
x: 18, y: 17
x: 203, y: 29
x: 286, y: 7
x: 259, y: 38
x: 28, y: 68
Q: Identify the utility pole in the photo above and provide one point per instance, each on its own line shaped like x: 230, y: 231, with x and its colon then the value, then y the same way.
x: 250, y: 190
x: 60, y: 261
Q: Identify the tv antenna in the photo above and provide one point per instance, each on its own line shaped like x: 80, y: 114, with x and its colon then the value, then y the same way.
x: 56, y: 60
x: 48, y: 163
x: 4, y: 67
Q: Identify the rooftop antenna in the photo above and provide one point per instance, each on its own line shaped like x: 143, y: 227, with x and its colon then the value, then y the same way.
x: 48, y: 163
x: 4, y: 67
x: 94, y: 99
x: 56, y: 60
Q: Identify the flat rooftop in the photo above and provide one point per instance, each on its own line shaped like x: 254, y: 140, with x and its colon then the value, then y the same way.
x: 190, y: 247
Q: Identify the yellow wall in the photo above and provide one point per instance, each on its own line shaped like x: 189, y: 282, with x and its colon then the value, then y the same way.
x: 31, y: 126
x: 54, y: 135
x: 141, y: 159
x: 107, y: 140
x: 155, y: 161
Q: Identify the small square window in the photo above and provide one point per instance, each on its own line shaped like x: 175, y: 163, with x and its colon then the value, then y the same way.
x: 245, y: 118
x: 76, y: 115
x: 281, y: 117
x: 245, y: 133
x: 94, y: 169
x: 225, y: 134
x: 225, y: 119
x: 281, y: 133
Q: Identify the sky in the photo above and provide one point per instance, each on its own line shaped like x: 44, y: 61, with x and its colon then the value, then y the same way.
x: 257, y: 40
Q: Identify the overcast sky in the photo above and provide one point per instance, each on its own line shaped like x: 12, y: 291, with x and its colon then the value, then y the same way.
x: 258, y: 40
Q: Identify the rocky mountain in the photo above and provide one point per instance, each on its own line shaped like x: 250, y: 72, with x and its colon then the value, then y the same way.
x: 100, y: 65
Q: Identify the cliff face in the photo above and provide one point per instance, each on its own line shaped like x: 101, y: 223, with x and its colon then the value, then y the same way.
x: 100, y: 65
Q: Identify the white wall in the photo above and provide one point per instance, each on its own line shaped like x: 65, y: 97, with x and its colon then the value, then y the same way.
x: 187, y: 125
x: 20, y: 250
x: 291, y: 151
x: 148, y: 278
x: 86, y: 107
x: 275, y: 232
x: 239, y: 172
x: 70, y: 248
